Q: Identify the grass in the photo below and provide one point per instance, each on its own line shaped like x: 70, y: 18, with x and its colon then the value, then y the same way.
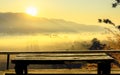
x: 113, y: 43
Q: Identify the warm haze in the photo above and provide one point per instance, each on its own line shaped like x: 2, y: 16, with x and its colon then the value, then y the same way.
x: 39, y: 25
x: 56, y: 19
x: 80, y: 11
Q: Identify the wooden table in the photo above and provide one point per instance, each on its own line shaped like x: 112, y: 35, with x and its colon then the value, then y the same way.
x: 103, y: 60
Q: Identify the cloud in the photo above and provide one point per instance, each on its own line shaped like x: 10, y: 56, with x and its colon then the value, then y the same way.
x: 20, y: 23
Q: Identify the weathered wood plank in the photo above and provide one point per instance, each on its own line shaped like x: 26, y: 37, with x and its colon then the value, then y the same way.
x: 22, y: 61
x: 10, y: 52
x: 58, y: 51
x: 65, y: 58
x: 68, y: 56
x: 61, y: 54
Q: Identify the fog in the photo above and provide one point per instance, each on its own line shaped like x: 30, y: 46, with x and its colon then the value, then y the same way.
x: 46, y: 41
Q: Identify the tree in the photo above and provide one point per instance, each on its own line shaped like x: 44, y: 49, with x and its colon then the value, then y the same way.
x: 117, y: 2
x: 97, y: 45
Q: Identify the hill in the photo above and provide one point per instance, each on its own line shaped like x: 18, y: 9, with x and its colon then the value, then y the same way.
x: 20, y: 23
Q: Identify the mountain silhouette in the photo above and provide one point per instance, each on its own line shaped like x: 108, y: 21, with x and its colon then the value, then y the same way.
x: 15, y: 23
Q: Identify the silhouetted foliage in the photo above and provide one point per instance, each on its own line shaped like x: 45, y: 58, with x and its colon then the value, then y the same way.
x: 117, y: 2
x: 100, y: 20
x: 114, y: 5
x: 118, y: 27
x: 96, y: 45
x: 107, y: 21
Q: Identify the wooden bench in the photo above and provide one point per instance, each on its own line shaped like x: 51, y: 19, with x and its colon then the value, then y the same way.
x: 103, y: 60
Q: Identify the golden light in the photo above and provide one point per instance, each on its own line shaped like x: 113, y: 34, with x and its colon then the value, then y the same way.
x: 31, y: 11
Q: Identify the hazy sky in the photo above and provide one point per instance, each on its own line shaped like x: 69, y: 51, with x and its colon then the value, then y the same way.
x: 84, y: 12
x: 80, y: 11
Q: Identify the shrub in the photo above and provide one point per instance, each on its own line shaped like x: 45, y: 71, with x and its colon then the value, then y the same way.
x: 97, y: 45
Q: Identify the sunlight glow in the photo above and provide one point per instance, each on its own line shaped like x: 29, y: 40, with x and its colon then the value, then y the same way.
x: 31, y: 11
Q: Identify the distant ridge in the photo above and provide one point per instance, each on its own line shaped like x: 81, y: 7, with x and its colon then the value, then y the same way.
x: 15, y: 23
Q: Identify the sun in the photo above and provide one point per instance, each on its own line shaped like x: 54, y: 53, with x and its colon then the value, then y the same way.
x: 31, y: 11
